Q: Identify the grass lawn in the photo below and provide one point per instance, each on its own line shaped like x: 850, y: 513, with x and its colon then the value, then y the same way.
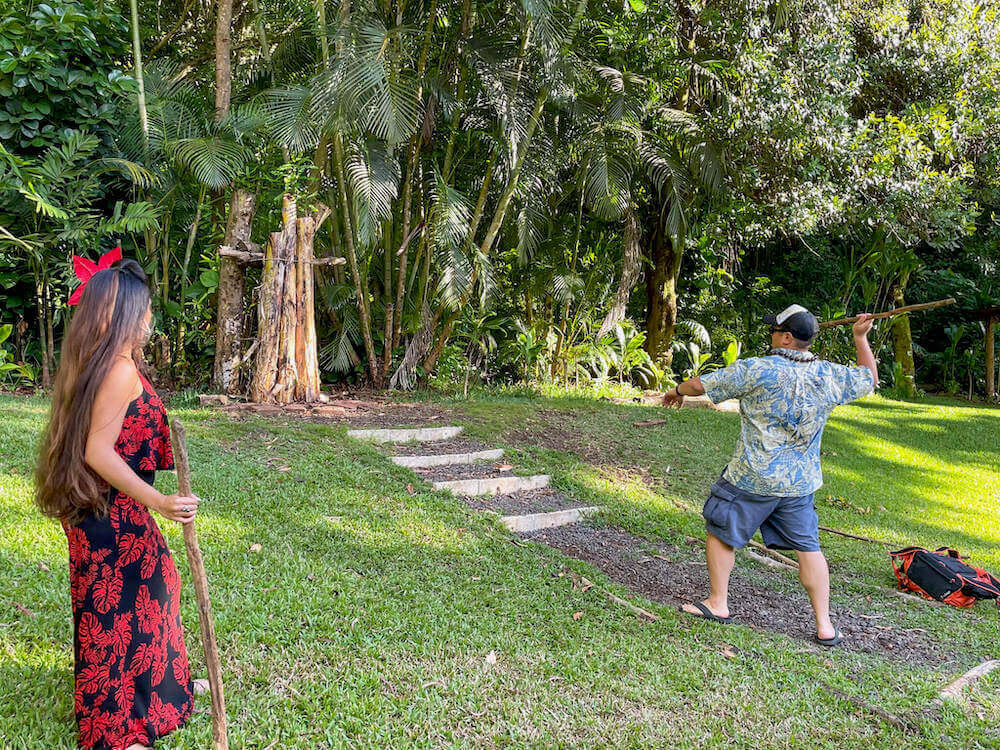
x: 373, y: 617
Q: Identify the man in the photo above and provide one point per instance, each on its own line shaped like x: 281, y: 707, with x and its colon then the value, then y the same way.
x: 785, y: 400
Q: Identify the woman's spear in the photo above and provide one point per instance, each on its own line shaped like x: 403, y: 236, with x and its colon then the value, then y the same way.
x: 220, y: 741
x: 890, y: 313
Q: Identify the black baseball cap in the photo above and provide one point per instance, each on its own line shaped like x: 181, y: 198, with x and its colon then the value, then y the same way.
x: 796, y: 320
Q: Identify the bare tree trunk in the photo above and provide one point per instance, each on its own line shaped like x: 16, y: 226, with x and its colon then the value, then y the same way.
x: 139, y: 80
x: 42, y: 330
x: 661, y: 297
x: 287, y: 364
x: 902, y: 342
x: 280, y: 248
x: 631, y: 266
x: 229, y: 316
x: 50, y: 339
x: 223, y: 68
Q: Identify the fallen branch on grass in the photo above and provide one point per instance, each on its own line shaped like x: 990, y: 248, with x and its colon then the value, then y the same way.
x: 649, y: 423
x: 775, y: 555
x: 828, y: 530
x: 768, y: 560
x: 867, y: 707
x: 954, y: 690
x: 584, y: 584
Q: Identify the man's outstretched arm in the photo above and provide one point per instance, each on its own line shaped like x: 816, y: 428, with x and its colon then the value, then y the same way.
x: 865, y: 356
x: 675, y: 396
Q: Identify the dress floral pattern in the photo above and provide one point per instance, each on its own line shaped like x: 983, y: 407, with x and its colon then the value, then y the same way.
x: 133, y: 683
x: 784, y: 406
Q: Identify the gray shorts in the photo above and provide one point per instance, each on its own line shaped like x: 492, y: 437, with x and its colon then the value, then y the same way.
x: 733, y: 515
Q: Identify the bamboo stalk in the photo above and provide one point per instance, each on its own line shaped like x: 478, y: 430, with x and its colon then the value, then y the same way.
x: 889, y: 313
x: 220, y: 741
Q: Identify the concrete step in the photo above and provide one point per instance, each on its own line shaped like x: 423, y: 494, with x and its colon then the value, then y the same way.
x: 421, y: 434
x: 447, y: 459
x: 493, y: 485
x: 537, y: 521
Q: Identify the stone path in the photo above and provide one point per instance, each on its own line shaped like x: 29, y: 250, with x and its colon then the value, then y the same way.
x: 529, y: 507
x: 474, y: 473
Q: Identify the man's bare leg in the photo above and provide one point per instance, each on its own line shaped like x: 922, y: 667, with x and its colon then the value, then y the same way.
x: 815, y: 577
x: 721, y: 558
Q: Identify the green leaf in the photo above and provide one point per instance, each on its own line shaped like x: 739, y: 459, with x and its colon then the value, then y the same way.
x: 5, y: 331
x: 172, y: 309
x: 209, y: 279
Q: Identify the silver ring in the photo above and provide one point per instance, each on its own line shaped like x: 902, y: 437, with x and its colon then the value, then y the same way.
x: 186, y: 509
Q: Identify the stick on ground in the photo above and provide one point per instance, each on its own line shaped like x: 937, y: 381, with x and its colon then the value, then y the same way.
x: 867, y: 707
x: 828, y: 530
x: 220, y: 740
x: 584, y: 584
x: 954, y: 690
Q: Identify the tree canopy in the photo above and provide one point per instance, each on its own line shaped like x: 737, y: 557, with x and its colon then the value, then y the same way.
x: 541, y: 190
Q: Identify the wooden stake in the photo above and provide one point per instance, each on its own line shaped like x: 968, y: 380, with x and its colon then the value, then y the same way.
x: 889, y: 313
x: 220, y: 740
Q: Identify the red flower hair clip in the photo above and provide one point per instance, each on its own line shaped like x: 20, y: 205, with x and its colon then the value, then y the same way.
x: 85, y: 269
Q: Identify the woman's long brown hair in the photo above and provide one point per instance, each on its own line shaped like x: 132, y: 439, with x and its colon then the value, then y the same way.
x: 109, y: 319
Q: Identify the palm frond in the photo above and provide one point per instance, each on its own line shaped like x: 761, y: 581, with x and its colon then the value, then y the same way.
x: 213, y: 160
x: 289, y: 114
x: 136, y: 173
x: 698, y: 333
x: 137, y: 217
x: 374, y: 177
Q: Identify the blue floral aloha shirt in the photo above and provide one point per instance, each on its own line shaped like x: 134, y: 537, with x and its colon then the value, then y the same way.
x: 784, y: 406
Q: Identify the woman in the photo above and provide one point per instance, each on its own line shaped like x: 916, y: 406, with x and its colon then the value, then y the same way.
x: 107, y: 436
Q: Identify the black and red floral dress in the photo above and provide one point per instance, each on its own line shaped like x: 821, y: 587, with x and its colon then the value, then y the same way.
x: 133, y: 683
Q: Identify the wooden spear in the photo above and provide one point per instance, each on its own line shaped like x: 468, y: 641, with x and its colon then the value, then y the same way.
x: 889, y: 313
x: 220, y: 740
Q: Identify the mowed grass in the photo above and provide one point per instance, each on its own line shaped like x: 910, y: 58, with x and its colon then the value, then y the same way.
x: 373, y: 617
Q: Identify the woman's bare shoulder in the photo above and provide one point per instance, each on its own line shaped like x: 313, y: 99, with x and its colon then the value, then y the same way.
x: 121, y: 383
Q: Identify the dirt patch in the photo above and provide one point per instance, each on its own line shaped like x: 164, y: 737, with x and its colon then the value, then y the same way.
x: 558, y: 430
x: 372, y: 413
x: 437, y: 448
x: 400, y: 415
x: 544, y: 500
x: 678, y: 575
x: 450, y: 473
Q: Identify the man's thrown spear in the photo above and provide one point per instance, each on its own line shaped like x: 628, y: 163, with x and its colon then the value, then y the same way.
x: 220, y: 741
x: 889, y: 313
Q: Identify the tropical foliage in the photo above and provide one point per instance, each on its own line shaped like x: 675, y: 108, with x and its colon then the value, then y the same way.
x: 531, y: 190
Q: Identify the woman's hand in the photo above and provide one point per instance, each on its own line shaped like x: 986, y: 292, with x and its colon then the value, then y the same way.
x: 177, y: 507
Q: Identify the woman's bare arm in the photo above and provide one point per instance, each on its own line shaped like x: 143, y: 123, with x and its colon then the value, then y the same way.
x: 119, y: 389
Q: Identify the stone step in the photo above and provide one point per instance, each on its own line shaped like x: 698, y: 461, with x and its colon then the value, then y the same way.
x: 420, y: 434
x: 447, y: 459
x: 537, y: 521
x: 493, y: 485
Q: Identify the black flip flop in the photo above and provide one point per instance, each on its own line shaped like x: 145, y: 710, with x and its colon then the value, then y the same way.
x: 830, y: 642
x: 706, y: 614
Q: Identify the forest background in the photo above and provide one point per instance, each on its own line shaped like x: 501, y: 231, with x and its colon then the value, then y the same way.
x: 567, y: 193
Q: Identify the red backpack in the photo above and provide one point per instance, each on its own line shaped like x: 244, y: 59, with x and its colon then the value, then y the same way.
x: 944, y: 576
